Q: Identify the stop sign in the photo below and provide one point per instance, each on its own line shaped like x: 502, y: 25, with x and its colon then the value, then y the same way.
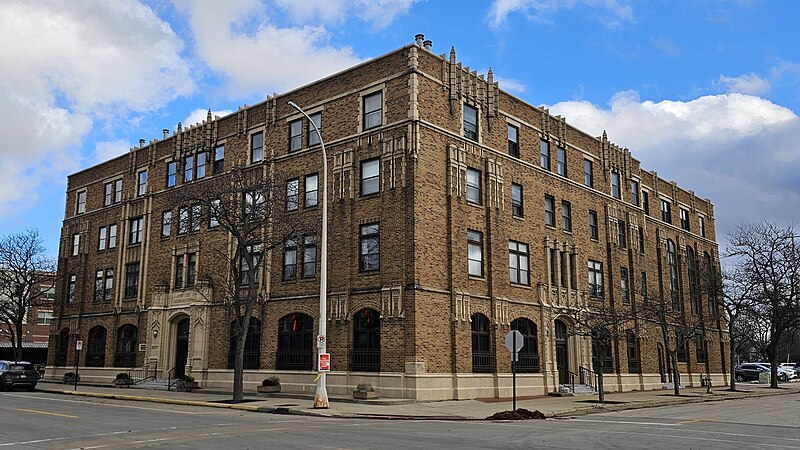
x: 514, y: 343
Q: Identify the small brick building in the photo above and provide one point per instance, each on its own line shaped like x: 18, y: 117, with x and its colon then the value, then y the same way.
x: 457, y: 212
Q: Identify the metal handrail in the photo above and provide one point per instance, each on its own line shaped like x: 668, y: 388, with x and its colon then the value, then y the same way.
x: 570, y: 375
x: 588, y: 377
x: 148, y: 371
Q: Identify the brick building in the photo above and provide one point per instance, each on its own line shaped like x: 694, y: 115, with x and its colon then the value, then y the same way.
x: 456, y: 213
x: 35, y: 327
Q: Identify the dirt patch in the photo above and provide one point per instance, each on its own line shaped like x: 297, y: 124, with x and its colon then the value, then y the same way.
x: 519, y: 414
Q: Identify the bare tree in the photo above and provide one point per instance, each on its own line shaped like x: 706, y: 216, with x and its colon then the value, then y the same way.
x: 252, y: 208
x: 604, y: 326
x: 24, y: 267
x: 768, y: 257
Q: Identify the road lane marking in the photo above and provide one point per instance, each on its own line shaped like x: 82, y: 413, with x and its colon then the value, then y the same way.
x: 172, y: 438
x: 624, y: 422
x: 89, y: 402
x: 48, y: 413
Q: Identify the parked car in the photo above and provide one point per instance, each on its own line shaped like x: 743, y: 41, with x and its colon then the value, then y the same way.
x: 751, y: 371
x: 18, y: 374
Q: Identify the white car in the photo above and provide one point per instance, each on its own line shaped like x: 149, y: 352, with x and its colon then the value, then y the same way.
x: 785, y: 373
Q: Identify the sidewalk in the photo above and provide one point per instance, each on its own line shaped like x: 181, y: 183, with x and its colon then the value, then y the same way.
x: 408, y: 409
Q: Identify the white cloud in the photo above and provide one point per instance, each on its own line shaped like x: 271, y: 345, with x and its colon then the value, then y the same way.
x: 236, y: 40
x: 105, y: 150
x: 739, y: 150
x: 745, y: 84
x: 510, y: 85
x: 614, y: 11
x: 379, y: 13
x: 199, y: 115
x: 67, y: 64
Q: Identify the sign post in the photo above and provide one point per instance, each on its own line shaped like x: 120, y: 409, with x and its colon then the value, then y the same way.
x: 78, y: 348
x: 514, y: 343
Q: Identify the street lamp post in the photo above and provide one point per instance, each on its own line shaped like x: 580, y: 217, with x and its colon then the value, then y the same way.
x: 321, y: 396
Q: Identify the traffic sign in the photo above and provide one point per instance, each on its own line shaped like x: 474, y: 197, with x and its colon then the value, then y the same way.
x: 514, y: 343
x: 320, y: 341
x: 324, y: 362
x: 78, y: 345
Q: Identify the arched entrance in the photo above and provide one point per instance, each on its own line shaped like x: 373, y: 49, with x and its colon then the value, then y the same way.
x: 562, y: 351
x: 181, y: 347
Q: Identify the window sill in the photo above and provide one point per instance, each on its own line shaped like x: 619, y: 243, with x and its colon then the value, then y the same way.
x: 550, y: 227
x: 476, y: 278
x: 567, y: 231
x: 366, y: 273
x: 521, y: 286
x: 520, y: 218
x: 370, y: 195
x: 595, y: 240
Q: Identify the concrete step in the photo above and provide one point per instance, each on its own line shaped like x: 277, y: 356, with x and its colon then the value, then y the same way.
x: 565, y: 390
x: 159, y: 384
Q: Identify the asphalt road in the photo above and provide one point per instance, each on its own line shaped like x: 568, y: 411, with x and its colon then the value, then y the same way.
x: 41, y: 420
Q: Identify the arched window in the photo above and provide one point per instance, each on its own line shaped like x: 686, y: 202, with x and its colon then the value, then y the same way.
x: 252, y: 345
x: 366, y: 355
x: 528, y: 358
x: 672, y: 259
x: 694, y: 287
x: 96, y: 347
x: 126, y: 346
x: 295, y: 343
x: 482, y: 356
x: 63, y: 348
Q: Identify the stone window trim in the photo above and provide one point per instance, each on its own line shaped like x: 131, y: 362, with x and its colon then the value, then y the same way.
x: 362, y: 96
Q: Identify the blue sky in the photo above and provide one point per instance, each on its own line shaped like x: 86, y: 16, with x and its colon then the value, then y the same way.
x: 705, y: 92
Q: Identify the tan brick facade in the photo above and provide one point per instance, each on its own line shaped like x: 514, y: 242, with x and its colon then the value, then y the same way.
x: 425, y: 297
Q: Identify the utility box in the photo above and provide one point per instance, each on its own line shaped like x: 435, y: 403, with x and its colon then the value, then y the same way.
x: 764, y: 378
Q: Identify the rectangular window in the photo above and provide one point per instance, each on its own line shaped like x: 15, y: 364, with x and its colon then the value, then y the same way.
x: 643, y: 277
x: 244, y: 267
x: 549, y: 211
x: 98, y: 287
x: 369, y: 250
x: 254, y: 204
x: 700, y: 348
x: 191, y: 269
x: 544, y: 154
x: 588, y: 173
x: 635, y: 192
x: 179, y: 262
x: 634, y: 357
x: 313, y: 137
x: 312, y: 187
x: 44, y: 317
x: 289, y: 259
x: 112, y: 236
x: 470, y: 123
x: 370, y: 177
x: 593, y: 232
x: 646, y: 202
x: 219, y: 159
x: 113, y: 193
x: 102, y: 238
x: 513, y: 141
x: 622, y: 234
x: 71, y: 289
x: 666, y: 211
x: 188, y: 169
x: 561, y: 161
x: 623, y: 284
x: 373, y: 110
x: 213, y: 213
x: 641, y: 240
x: 183, y: 220
x: 166, y: 223
x: 684, y: 218
x: 475, y: 253
x: 196, y: 213
x: 132, y: 280
x: 309, y: 257
x: 76, y: 244
x: 566, y: 215
x: 702, y: 223
x: 201, y: 165
x: 563, y: 272
x: 518, y: 263
x: 595, y: 279
x: 615, y: 189
x: 474, y: 194
x: 257, y: 147
x: 553, y: 266
x: 136, y: 226
x: 172, y: 170
x: 516, y: 200
x: 142, y: 187
x: 573, y: 274
x: 292, y: 194
x: 109, y: 291
x: 81, y: 204
x: 295, y: 135
x: 680, y: 349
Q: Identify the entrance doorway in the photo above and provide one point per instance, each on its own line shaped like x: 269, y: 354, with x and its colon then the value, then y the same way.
x: 562, y: 352
x: 181, y: 347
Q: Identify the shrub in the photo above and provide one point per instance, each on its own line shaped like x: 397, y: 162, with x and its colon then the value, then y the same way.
x: 188, y: 378
x: 123, y: 377
x: 70, y: 377
x: 271, y: 381
x: 364, y: 387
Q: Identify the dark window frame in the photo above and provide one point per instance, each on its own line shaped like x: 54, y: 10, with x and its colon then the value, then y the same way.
x: 474, y: 191
x: 370, y: 185
x: 471, y: 130
x: 475, y: 243
x: 513, y: 140
x: 369, y: 247
x: 369, y: 115
x: 519, y: 263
